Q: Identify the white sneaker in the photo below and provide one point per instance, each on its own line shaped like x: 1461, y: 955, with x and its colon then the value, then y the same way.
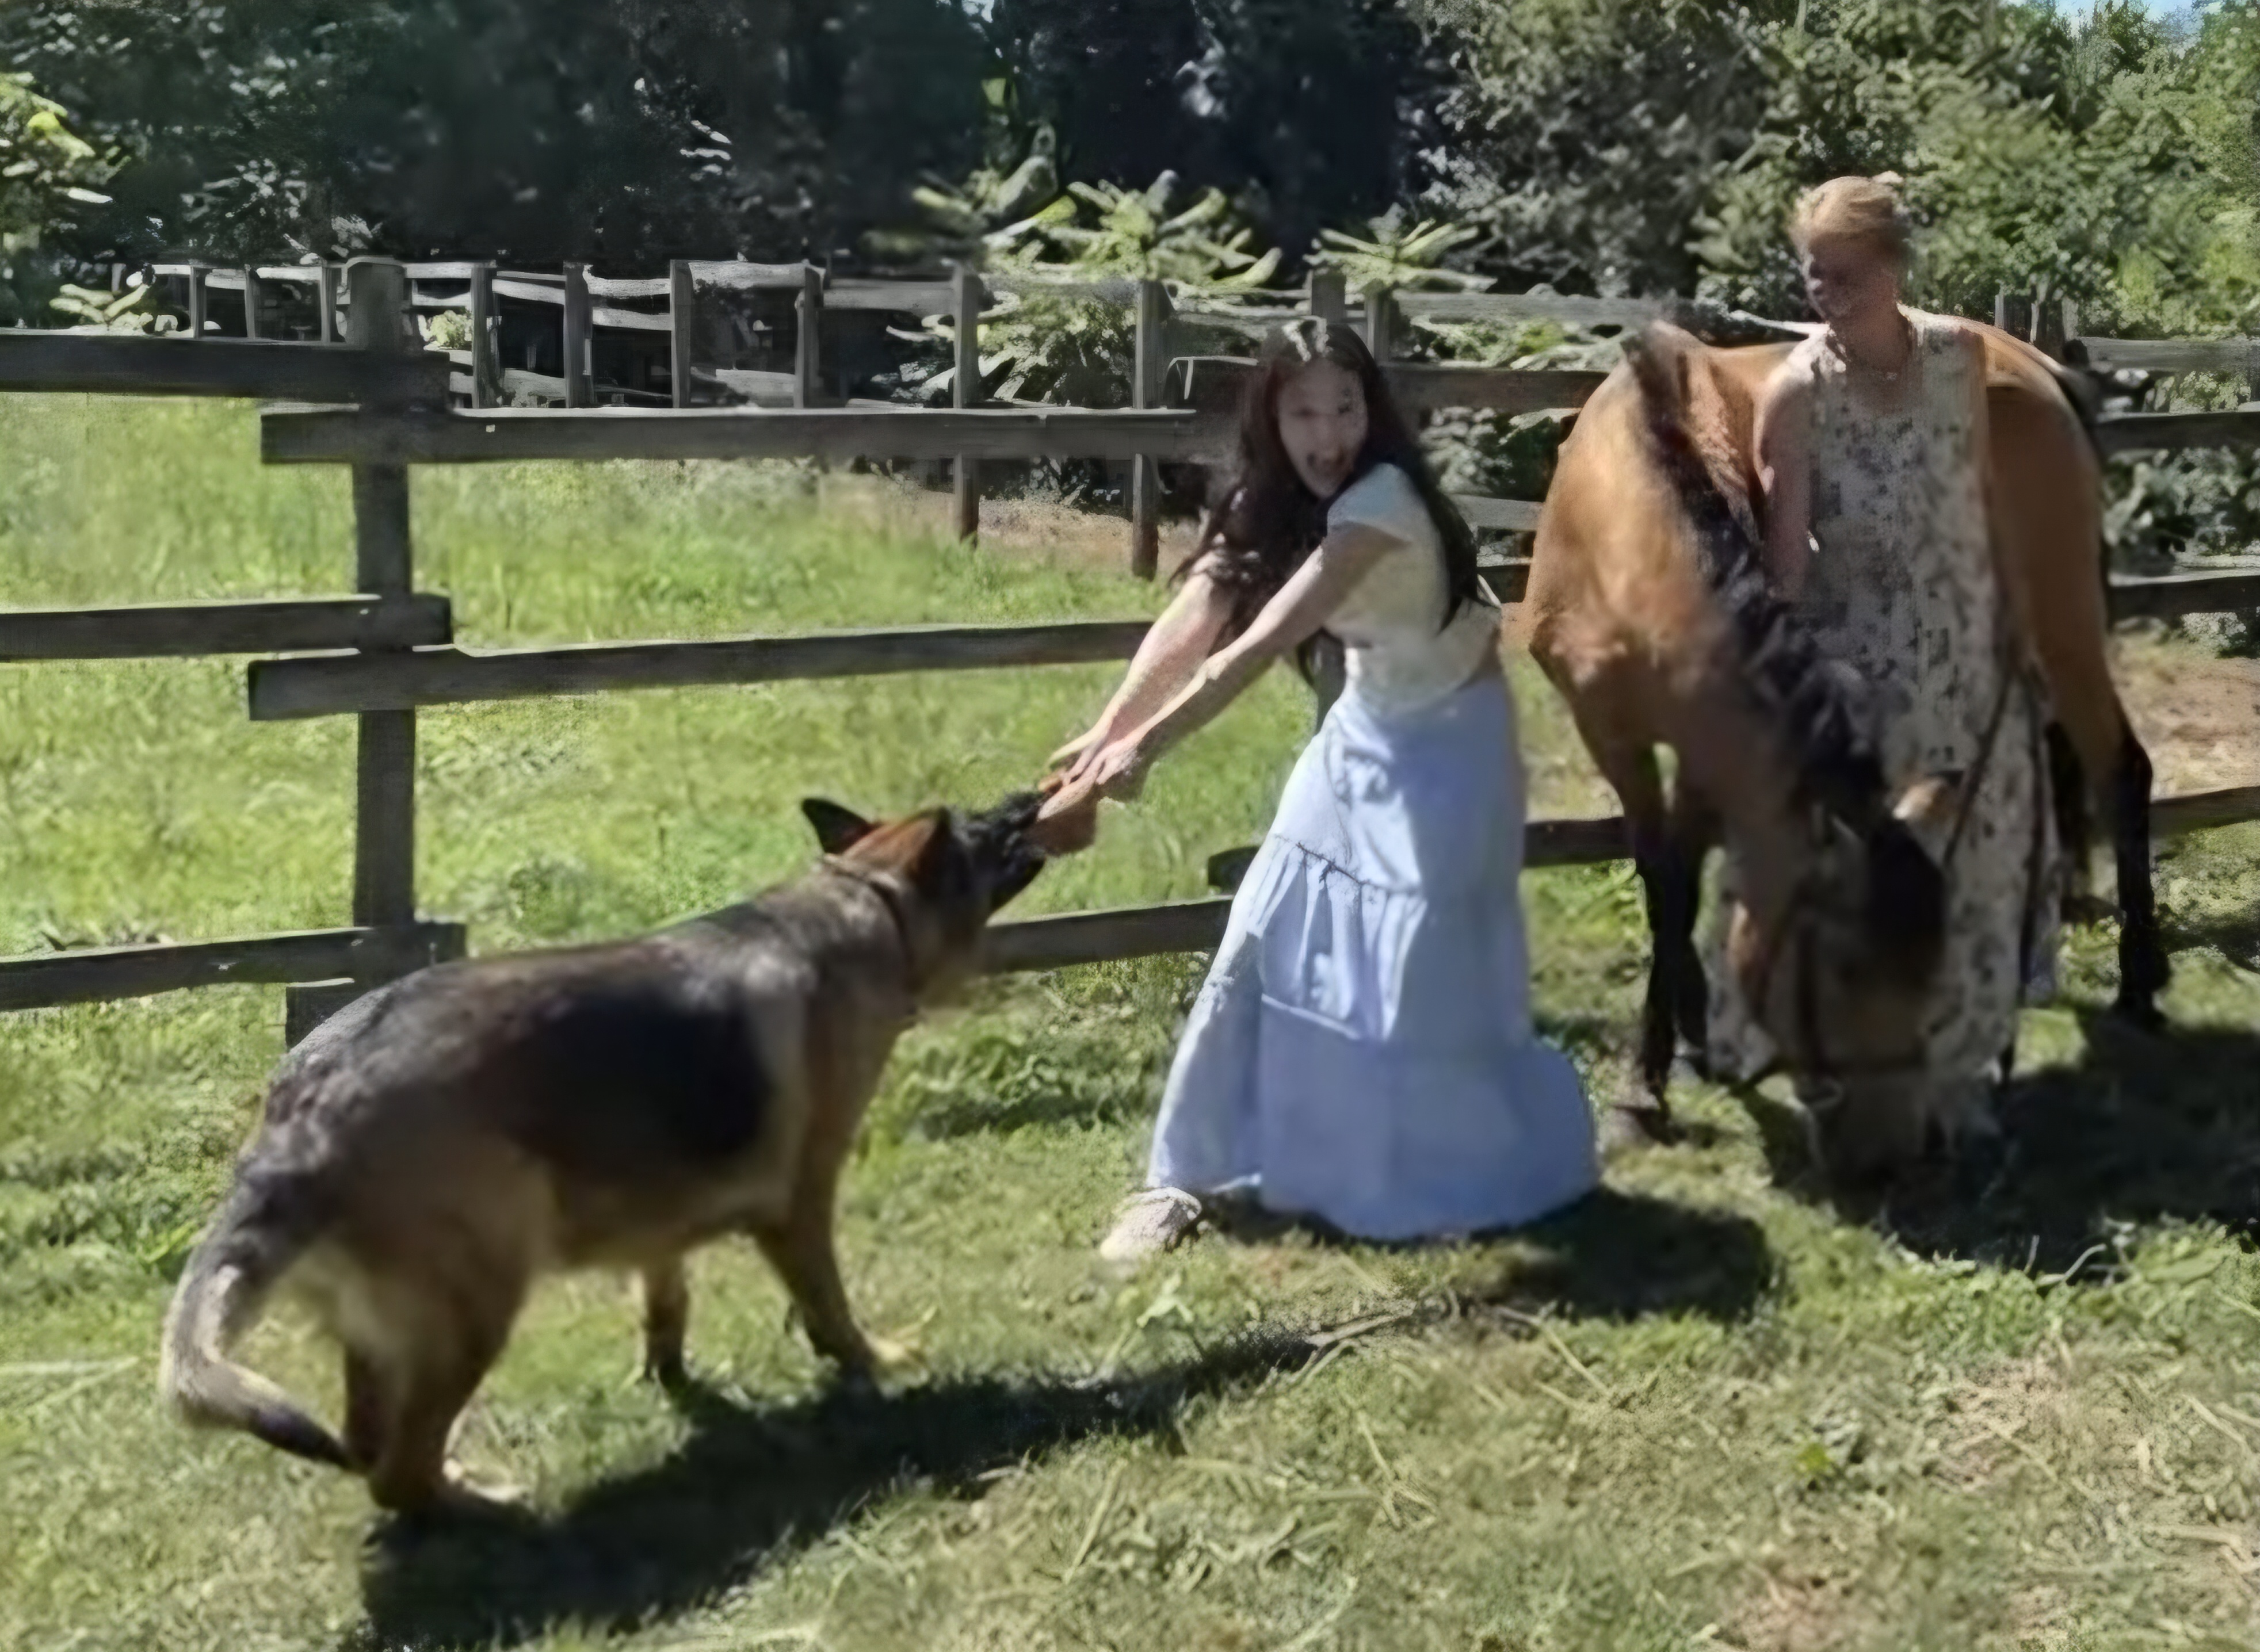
x: 1151, y: 1222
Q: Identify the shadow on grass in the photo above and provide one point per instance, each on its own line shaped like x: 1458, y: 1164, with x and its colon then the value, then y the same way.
x: 1610, y: 1256
x: 752, y: 1484
x: 2235, y: 935
x: 2143, y: 1128
x: 1063, y: 1107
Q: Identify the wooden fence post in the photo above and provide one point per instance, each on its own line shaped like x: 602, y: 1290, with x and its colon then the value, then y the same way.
x: 1149, y: 361
x: 1330, y: 297
x: 2070, y: 319
x: 577, y: 336
x: 325, y: 297
x: 682, y: 323
x: 196, y: 301
x: 486, y: 375
x: 2001, y: 310
x: 807, y: 339
x: 965, y: 387
x: 384, y: 829
x: 1380, y: 322
x: 255, y: 290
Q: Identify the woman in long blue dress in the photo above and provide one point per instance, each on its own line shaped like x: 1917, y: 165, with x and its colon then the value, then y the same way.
x: 1361, y: 1050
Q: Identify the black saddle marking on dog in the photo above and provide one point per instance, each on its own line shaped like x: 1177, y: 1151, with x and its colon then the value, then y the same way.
x: 619, y: 1073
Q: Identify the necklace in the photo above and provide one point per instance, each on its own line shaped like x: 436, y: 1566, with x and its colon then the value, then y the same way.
x: 1844, y: 353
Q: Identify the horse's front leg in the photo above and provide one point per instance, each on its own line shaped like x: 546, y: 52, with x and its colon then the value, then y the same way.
x: 1692, y: 833
x: 1667, y: 896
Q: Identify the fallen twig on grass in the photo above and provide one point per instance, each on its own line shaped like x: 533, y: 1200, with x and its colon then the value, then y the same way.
x: 1554, y: 1341
x: 1098, y: 1518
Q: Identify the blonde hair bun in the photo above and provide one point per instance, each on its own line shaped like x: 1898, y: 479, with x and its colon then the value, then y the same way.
x: 1855, y: 208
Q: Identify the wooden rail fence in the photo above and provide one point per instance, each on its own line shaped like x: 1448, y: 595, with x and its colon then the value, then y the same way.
x: 361, y: 393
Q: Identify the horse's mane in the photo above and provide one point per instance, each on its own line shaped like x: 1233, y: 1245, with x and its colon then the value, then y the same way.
x: 1823, y: 706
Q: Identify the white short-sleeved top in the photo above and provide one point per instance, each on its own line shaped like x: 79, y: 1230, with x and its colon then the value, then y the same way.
x: 1396, y: 657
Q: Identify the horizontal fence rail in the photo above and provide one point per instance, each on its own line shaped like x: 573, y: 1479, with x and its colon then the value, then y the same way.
x: 2176, y: 595
x: 95, y: 975
x: 161, y: 631
x: 501, y: 434
x: 2169, y: 432
x: 1213, y: 383
x: 324, y: 686
x: 123, y: 364
x: 2233, y: 358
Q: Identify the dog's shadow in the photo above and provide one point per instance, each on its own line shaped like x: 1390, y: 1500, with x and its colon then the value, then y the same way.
x: 755, y: 1483
x: 749, y: 1484
x: 2144, y: 1127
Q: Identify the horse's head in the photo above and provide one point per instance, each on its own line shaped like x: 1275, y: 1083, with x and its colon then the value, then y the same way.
x: 1840, y: 971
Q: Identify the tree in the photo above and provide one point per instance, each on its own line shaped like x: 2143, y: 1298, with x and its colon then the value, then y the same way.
x: 49, y: 176
x: 1308, y: 113
x: 620, y: 129
x: 1586, y: 136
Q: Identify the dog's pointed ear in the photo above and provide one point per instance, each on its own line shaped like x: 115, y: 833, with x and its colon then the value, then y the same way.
x: 932, y: 855
x: 837, y: 830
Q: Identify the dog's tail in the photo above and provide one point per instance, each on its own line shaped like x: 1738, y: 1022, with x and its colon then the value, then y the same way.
x: 263, y: 1228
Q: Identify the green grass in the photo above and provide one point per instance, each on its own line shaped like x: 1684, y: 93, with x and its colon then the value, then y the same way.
x: 1707, y: 1408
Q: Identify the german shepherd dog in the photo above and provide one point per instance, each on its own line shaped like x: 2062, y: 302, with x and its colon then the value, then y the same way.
x: 439, y: 1144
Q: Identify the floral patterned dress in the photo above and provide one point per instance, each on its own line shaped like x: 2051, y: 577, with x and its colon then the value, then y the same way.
x: 1902, y: 586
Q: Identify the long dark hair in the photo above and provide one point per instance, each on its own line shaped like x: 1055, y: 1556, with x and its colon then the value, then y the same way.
x: 1266, y: 522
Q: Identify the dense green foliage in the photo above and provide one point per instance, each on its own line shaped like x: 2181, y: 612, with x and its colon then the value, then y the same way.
x: 1608, y: 145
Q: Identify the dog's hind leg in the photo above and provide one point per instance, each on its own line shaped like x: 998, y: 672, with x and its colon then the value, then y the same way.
x: 666, y: 1316
x: 436, y: 1380
x: 369, y: 1401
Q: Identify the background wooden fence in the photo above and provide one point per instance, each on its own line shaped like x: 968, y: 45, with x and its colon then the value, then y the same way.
x: 362, y: 391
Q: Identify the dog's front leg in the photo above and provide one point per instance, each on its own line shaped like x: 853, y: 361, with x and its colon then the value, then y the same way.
x: 665, y: 1314
x: 801, y: 1250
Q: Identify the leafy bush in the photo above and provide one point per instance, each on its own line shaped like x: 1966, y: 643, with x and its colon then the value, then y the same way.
x: 1398, y: 255
x: 1063, y: 349
x: 48, y: 175
x: 113, y: 312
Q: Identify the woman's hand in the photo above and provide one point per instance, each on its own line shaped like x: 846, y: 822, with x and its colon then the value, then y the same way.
x: 1072, y: 756
x: 1119, y: 770
x: 1069, y: 821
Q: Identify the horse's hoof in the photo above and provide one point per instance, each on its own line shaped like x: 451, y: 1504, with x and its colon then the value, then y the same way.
x: 1632, y: 1124
x: 2140, y: 1014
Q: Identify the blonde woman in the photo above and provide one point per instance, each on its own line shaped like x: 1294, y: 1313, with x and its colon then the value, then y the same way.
x: 1871, y: 448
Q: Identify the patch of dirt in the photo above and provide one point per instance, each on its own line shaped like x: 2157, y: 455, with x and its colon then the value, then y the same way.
x: 2199, y: 715
x: 1794, y: 1612
x: 2013, y: 1416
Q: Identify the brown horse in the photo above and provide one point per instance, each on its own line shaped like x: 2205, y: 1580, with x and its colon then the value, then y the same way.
x: 1648, y: 609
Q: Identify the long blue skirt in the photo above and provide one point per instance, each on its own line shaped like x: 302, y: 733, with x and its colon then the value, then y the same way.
x: 1362, y: 1049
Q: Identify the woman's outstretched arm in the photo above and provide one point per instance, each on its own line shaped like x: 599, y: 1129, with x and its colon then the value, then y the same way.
x: 1173, y: 646
x: 1303, y: 604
